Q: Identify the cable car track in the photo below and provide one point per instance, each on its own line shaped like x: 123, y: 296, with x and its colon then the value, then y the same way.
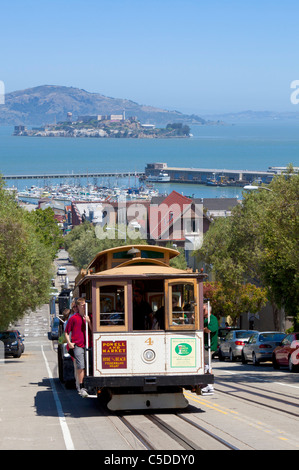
x: 266, y: 405
x: 219, y: 439
x: 179, y: 437
x: 136, y: 433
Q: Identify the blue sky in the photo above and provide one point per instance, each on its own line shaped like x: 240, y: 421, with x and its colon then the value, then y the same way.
x: 194, y: 56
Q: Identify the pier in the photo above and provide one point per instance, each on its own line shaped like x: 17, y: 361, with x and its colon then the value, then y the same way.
x: 125, y: 174
x: 212, y: 176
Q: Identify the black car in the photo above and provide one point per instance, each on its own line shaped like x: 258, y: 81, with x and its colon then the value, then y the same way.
x: 21, y: 338
x: 55, y: 328
x: 13, y: 345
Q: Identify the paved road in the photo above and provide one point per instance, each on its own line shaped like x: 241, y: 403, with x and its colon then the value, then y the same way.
x: 253, y: 407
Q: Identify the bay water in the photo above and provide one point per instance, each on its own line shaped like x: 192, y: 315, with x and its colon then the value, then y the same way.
x: 240, y: 146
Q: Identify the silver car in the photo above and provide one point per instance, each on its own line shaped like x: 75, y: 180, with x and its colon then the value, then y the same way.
x: 260, y: 346
x: 233, y: 344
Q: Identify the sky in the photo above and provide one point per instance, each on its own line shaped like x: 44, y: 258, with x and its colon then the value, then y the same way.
x: 194, y: 56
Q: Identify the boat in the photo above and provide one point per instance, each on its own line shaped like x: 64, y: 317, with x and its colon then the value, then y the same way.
x: 212, y: 181
x: 160, y: 178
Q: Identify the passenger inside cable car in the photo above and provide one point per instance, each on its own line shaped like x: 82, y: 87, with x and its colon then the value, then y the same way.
x: 142, y: 311
x: 148, y: 305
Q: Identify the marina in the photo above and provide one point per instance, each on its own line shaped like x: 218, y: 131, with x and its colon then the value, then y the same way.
x: 145, y: 187
x: 68, y: 193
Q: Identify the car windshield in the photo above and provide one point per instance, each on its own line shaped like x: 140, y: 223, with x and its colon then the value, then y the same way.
x: 6, y: 335
x: 243, y: 334
x: 271, y: 337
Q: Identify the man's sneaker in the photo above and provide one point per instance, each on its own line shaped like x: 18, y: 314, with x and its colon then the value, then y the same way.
x: 83, y: 392
x: 208, y: 390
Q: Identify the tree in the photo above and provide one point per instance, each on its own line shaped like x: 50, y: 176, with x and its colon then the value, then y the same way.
x: 25, y: 262
x: 259, y: 244
x: 235, y: 300
x: 85, y: 241
x: 46, y: 229
x: 179, y: 262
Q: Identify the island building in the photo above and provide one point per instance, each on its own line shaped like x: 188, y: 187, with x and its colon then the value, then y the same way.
x: 102, y: 117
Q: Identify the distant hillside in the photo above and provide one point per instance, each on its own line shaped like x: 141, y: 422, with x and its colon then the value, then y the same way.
x: 48, y: 104
x: 247, y: 116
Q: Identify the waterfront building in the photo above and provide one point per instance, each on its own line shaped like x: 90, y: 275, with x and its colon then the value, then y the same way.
x: 210, y: 176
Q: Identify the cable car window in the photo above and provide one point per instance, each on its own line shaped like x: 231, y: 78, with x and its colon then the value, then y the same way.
x: 112, y: 305
x: 182, y: 304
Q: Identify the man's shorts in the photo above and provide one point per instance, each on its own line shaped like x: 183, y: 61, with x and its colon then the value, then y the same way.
x: 79, y: 355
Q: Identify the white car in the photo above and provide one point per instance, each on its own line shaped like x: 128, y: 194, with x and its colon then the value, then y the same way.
x: 61, y: 271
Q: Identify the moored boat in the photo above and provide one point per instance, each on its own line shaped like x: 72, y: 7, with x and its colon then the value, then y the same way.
x: 160, y: 178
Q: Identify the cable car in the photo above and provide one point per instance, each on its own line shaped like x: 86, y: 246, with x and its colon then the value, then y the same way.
x: 147, y: 340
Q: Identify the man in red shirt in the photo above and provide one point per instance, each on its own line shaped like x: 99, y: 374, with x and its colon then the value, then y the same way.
x: 75, y: 333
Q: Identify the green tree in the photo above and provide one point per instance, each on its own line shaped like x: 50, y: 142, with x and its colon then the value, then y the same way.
x: 259, y: 244
x: 84, y: 242
x: 46, y: 229
x: 235, y: 300
x: 25, y: 262
x: 179, y: 262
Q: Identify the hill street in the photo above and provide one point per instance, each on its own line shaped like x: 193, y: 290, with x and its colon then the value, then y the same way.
x: 252, y: 408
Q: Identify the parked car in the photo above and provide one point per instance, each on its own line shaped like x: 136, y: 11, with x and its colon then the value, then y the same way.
x: 233, y: 344
x: 222, y: 332
x: 21, y: 337
x: 260, y: 346
x: 61, y: 271
x: 13, y: 345
x: 55, y: 328
x: 287, y: 353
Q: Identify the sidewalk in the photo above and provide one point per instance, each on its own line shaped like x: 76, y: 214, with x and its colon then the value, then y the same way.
x: 26, y: 399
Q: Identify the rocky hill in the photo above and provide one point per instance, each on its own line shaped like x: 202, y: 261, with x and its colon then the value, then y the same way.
x: 50, y: 104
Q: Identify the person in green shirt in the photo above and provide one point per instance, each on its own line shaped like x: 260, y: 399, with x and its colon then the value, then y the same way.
x: 210, y: 326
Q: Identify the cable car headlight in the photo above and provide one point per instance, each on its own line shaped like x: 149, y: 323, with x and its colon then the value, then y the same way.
x: 149, y: 355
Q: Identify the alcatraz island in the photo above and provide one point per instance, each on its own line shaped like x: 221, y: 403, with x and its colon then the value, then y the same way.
x: 108, y: 126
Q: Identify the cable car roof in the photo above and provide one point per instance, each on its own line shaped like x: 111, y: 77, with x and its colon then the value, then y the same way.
x: 120, y: 254
x: 144, y: 260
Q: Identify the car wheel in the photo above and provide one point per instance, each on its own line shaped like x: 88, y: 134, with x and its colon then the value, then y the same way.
x: 220, y: 356
x: 275, y: 363
x: 244, y: 360
x: 232, y: 357
x: 292, y: 367
x: 254, y: 360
